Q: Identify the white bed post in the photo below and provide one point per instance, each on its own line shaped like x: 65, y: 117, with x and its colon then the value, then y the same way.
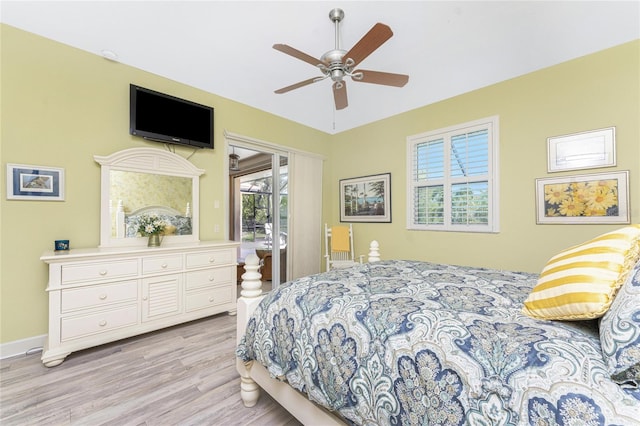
x: 250, y: 297
x: 374, y: 252
x: 120, y: 224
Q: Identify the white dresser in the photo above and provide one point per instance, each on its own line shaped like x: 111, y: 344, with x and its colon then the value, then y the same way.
x: 105, y: 294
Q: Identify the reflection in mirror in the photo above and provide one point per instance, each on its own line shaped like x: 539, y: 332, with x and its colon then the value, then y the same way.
x: 132, y: 194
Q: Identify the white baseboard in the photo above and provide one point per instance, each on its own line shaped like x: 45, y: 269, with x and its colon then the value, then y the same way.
x: 22, y: 347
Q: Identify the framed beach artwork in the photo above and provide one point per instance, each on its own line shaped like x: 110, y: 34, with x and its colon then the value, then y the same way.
x: 594, y: 198
x: 366, y: 199
x: 25, y: 182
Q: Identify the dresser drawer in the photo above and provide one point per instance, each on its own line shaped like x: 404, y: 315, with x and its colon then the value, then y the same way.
x: 98, y: 295
x: 208, y: 277
x: 79, y: 272
x: 208, y: 298
x: 100, y: 322
x: 211, y: 258
x: 152, y: 265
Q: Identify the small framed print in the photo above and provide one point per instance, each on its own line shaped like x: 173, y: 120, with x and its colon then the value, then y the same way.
x: 366, y: 199
x: 26, y: 182
x: 587, y: 150
x: 595, y: 198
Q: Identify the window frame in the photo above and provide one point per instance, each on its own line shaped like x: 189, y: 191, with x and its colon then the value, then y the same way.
x: 491, y: 124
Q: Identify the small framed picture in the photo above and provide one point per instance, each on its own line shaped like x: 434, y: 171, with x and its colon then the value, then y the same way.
x: 587, y: 150
x: 25, y: 182
x: 366, y: 199
x: 596, y: 198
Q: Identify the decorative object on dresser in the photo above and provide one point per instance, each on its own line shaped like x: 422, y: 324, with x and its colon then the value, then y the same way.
x: 154, y: 240
x: 151, y: 225
x: 99, y: 295
x: 61, y: 245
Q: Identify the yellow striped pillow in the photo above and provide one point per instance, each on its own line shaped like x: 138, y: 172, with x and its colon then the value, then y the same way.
x: 581, y: 282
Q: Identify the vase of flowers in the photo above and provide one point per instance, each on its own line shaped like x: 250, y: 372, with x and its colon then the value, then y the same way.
x: 150, y: 225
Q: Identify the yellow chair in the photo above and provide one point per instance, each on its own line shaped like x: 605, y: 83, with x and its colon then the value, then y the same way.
x: 338, y: 243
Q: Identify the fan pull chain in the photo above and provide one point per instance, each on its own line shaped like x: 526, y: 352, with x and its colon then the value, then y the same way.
x: 333, y: 108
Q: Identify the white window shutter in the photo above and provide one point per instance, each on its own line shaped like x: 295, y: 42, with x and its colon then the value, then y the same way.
x: 452, y: 182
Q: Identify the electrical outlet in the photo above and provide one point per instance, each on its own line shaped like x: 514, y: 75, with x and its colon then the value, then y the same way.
x: 216, y: 204
x: 216, y: 228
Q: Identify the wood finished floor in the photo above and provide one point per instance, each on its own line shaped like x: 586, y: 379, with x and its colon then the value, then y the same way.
x: 184, y: 375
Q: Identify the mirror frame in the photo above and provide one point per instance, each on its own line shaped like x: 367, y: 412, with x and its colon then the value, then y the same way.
x: 147, y: 160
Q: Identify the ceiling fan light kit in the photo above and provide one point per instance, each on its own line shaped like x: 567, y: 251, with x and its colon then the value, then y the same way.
x: 339, y: 63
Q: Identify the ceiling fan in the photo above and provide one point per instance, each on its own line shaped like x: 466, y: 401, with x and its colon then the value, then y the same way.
x: 339, y: 63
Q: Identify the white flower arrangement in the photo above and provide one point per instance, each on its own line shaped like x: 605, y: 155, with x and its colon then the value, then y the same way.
x: 151, y: 224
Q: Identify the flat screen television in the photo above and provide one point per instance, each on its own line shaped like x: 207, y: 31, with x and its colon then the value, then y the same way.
x: 163, y: 118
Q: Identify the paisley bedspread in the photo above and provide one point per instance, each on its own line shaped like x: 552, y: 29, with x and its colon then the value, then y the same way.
x: 408, y: 342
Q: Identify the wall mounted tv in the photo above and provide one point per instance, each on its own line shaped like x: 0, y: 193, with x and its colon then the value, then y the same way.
x: 163, y: 118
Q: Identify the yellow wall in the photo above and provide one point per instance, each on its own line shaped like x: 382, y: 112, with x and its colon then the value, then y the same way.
x: 596, y: 91
x: 60, y: 106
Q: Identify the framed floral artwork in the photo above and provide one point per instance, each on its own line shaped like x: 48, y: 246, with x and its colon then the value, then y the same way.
x: 25, y: 182
x: 594, y: 198
x: 366, y: 199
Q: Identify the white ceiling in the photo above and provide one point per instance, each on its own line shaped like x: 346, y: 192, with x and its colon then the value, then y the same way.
x: 225, y: 47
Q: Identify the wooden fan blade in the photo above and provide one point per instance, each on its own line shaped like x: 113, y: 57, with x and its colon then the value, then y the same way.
x: 370, y: 42
x: 297, y: 85
x: 340, y: 94
x: 298, y: 54
x: 377, y: 77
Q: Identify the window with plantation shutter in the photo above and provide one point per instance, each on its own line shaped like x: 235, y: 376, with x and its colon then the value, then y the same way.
x: 452, y: 178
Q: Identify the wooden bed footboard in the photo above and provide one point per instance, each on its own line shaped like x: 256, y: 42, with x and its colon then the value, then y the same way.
x: 254, y: 376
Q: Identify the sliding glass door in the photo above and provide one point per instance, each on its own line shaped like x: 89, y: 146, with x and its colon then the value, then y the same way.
x: 259, y: 214
x: 280, y: 232
x: 275, y: 198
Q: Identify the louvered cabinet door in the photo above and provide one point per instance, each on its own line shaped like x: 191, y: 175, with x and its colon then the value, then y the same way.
x: 161, y: 297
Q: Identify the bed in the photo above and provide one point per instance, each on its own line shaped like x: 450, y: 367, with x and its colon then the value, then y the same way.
x: 412, y: 342
x: 179, y: 223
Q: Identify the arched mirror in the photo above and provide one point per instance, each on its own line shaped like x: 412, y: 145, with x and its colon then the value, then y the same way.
x: 140, y: 181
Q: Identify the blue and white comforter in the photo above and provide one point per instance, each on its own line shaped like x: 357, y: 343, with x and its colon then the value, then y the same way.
x: 407, y: 342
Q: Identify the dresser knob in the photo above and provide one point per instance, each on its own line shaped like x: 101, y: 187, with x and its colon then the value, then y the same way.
x: 211, y: 299
x: 102, y: 296
x: 164, y: 265
x: 102, y: 323
x: 212, y: 260
x: 211, y: 278
x: 103, y: 272
x: 144, y: 297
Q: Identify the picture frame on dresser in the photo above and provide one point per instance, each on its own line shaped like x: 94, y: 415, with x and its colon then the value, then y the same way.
x: 29, y: 182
